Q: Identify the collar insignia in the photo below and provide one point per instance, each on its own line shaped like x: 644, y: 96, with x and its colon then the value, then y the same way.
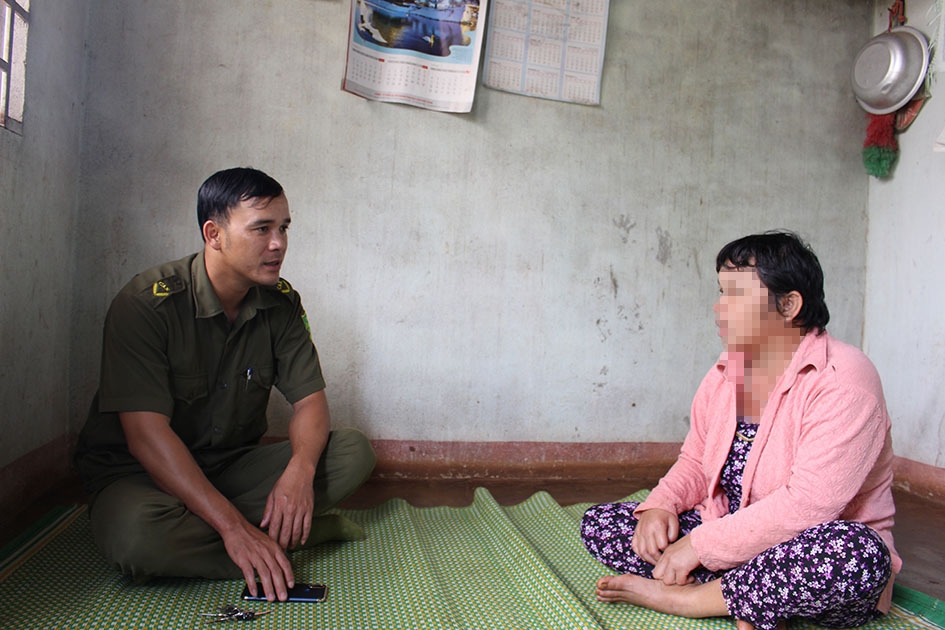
x: 166, y: 286
x: 283, y: 286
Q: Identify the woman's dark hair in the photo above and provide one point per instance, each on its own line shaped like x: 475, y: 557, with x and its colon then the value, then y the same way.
x: 226, y: 189
x: 784, y: 263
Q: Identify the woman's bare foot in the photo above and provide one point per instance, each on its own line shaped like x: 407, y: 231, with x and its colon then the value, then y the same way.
x: 744, y: 625
x: 690, y: 600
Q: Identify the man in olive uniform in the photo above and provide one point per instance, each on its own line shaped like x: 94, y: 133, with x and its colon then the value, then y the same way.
x: 170, y: 454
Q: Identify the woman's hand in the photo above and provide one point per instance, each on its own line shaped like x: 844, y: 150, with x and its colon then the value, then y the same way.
x: 656, y: 530
x: 676, y: 564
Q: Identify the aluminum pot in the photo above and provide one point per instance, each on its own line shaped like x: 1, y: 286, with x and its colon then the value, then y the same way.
x: 889, y: 69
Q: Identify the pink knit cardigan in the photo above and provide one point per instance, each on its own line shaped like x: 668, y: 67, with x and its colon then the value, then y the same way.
x: 823, y: 452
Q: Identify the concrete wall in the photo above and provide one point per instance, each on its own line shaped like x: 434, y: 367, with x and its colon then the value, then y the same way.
x: 905, y: 329
x: 39, y: 178
x: 533, y: 270
x: 530, y: 271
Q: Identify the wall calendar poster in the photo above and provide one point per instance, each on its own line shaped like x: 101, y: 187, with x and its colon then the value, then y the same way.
x: 547, y: 48
x: 418, y: 52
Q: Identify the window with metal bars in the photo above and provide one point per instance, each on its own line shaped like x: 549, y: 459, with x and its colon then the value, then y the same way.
x: 14, y: 27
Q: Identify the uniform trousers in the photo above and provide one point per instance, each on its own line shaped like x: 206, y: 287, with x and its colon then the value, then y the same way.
x: 145, y: 532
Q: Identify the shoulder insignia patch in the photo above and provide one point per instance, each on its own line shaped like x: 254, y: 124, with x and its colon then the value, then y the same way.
x: 283, y: 286
x: 167, y: 286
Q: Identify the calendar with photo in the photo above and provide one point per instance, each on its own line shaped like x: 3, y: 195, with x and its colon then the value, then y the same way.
x: 417, y: 52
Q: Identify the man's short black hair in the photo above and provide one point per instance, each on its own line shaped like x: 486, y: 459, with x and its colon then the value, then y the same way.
x: 226, y: 189
x: 784, y: 263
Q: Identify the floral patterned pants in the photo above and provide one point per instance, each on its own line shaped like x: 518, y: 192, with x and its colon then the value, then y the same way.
x: 832, y: 574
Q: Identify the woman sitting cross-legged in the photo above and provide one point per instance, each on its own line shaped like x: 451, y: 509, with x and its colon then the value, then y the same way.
x: 780, y: 504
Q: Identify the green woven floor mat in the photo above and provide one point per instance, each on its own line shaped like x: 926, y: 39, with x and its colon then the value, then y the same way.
x: 21, y: 548
x: 480, y: 566
x: 920, y: 604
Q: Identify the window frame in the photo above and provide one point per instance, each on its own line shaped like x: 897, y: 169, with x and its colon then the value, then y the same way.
x: 10, y: 10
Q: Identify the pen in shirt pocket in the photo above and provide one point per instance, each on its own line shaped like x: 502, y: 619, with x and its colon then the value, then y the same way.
x: 249, y: 377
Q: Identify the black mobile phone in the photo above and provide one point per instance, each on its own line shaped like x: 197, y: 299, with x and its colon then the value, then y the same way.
x: 298, y: 593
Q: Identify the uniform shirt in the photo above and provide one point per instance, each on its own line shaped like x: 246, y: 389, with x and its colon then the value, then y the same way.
x: 169, y: 348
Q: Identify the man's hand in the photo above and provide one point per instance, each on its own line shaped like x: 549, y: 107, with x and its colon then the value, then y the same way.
x: 288, y: 514
x: 289, y: 506
x: 255, y: 553
x: 655, y: 530
x: 676, y: 564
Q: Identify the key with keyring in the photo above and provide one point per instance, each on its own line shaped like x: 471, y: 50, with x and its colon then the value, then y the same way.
x: 233, y: 613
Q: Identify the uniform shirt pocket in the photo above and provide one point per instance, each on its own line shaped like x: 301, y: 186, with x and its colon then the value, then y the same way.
x: 254, y: 385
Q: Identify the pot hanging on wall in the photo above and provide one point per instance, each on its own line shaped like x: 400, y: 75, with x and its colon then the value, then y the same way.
x: 887, y: 74
x: 889, y: 70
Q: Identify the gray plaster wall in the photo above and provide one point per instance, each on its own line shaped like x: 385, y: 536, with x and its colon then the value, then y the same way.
x: 39, y: 183
x: 530, y: 271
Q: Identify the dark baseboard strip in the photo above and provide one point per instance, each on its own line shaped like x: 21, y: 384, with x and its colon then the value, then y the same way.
x: 546, y: 460
x: 33, y: 474
x: 919, y: 479
x: 41, y: 469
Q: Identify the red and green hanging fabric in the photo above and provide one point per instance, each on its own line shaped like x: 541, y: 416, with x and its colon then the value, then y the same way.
x: 880, y: 149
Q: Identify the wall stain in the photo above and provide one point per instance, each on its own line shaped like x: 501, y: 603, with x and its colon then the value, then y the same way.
x: 603, y: 329
x: 601, y: 384
x: 665, y: 251
x: 624, y: 224
x: 600, y: 287
x: 630, y: 316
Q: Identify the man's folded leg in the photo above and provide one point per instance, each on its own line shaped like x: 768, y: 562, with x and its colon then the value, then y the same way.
x: 345, y: 464
x: 146, y: 533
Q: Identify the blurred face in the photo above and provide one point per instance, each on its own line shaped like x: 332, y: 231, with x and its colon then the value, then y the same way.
x: 254, y: 240
x: 746, y: 312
